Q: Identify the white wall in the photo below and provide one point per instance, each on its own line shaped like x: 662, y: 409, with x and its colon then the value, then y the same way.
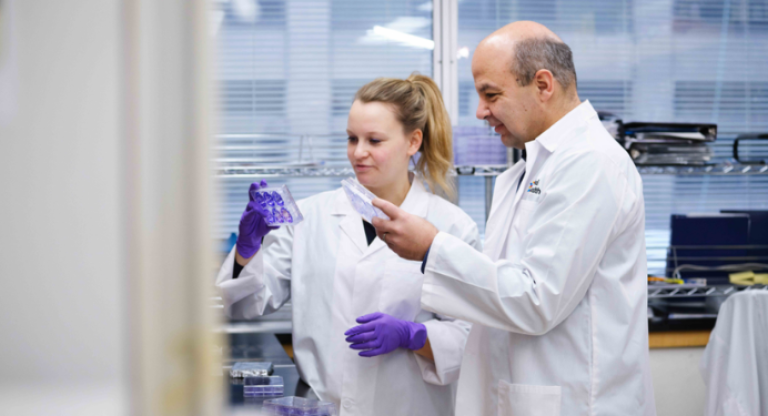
x: 62, y: 315
x: 677, y: 382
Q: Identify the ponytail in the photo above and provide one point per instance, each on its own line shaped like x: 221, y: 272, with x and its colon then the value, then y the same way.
x: 419, y: 105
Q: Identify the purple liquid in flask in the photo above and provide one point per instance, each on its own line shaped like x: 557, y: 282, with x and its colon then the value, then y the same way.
x: 278, y: 217
x: 258, y: 197
x: 270, y: 217
x: 277, y: 199
x: 286, y: 215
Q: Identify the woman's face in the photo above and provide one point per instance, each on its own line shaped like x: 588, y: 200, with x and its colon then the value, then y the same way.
x: 378, y: 148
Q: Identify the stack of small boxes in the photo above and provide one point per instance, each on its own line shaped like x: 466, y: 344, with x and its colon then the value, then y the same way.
x: 257, y: 379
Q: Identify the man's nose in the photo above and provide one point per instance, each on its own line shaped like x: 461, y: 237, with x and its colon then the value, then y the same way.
x: 482, y: 111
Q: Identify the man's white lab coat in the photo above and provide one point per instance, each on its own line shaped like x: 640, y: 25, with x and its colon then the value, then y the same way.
x: 326, y: 267
x: 558, y: 298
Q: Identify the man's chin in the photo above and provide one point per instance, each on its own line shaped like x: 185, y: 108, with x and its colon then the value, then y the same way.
x: 509, y: 141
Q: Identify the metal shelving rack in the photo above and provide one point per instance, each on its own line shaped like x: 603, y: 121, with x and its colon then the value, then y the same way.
x: 716, y: 169
x: 691, y: 291
x: 248, y: 166
x: 315, y: 169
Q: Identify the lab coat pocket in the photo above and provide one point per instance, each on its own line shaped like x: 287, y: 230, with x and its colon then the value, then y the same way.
x: 523, y: 214
x: 528, y: 400
x: 401, y: 289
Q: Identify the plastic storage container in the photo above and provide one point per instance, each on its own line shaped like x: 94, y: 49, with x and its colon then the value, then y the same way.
x: 361, y: 199
x: 280, y: 206
x: 263, y: 386
x: 298, y: 406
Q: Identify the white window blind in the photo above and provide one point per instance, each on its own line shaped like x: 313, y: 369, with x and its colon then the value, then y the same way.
x: 288, y: 70
x: 287, y: 73
x: 673, y: 60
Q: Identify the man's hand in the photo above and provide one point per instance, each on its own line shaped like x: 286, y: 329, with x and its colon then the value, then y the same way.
x: 407, y: 235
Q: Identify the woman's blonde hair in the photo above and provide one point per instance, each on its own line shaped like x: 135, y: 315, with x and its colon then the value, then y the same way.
x: 419, y: 105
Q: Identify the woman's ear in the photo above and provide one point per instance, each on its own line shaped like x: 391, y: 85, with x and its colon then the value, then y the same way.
x: 415, y: 139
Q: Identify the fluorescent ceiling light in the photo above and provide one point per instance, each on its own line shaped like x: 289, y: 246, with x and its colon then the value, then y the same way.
x: 405, y: 38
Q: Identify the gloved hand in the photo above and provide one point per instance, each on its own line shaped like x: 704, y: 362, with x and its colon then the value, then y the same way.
x: 382, y: 334
x: 253, y: 227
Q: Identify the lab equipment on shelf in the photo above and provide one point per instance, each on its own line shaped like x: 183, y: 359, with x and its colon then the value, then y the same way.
x: 298, y: 406
x: 361, y: 199
x: 263, y: 386
x: 668, y: 143
x: 707, y: 240
x: 251, y: 369
x: 279, y: 204
x: 744, y: 137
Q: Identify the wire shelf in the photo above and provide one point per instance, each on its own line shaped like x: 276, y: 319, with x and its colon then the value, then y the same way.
x: 324, y: 155
x: 240, y: 169
x: 718, y: 169
x: 691, y: 291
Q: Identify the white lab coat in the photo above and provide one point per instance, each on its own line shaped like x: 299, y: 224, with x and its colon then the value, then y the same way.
x: 558, y: 298
x: 326, y: 267
x: 735, y: 362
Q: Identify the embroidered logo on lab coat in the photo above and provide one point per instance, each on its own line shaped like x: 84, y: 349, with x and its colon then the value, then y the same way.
x: 533, y: 187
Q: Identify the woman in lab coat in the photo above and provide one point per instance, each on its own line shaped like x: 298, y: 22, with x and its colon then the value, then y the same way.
x: 360, y: 337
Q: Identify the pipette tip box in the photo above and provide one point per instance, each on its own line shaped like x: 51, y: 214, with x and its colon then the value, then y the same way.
x: 361, y: 199
x: 279, y: 204
x: 298, y: 406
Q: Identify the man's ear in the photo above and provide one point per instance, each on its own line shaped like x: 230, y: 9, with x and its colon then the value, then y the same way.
x: 545, y: 84
x: 415, y: 139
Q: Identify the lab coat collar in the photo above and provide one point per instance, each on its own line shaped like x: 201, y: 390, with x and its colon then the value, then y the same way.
x: 417, y: 200
x: 558, y: 132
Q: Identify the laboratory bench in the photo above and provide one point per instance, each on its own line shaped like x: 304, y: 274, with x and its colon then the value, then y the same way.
x: 678, y: 339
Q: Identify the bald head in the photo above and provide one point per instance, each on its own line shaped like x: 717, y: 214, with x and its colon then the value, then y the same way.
x: 529, y: 47
x: 522, y: 30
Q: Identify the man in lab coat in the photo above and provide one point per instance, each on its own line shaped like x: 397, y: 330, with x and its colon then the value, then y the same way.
x: 558, y: 297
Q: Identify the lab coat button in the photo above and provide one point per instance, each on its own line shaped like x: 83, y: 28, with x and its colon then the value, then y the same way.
x: 347, y: 403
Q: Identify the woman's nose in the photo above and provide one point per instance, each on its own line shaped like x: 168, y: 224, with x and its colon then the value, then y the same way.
x: 361, y: 150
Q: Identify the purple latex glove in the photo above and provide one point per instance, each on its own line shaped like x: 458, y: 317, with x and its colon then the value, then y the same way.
x: 253, y: 227
x: 382, y: 334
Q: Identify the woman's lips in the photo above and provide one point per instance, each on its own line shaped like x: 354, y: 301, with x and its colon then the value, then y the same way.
x: 362, y: 168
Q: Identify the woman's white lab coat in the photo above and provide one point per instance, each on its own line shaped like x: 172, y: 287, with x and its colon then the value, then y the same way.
x: 326, y: 267
x: 558, y: 299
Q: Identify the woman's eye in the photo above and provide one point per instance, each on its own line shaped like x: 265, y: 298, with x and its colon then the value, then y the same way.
x: 375, y: 141
x: 352, y: 139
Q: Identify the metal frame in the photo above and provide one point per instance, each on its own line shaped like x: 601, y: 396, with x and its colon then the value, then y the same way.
x: 445, y: 28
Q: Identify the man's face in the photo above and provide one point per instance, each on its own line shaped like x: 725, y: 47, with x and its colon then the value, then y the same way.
x: 511, y: 109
